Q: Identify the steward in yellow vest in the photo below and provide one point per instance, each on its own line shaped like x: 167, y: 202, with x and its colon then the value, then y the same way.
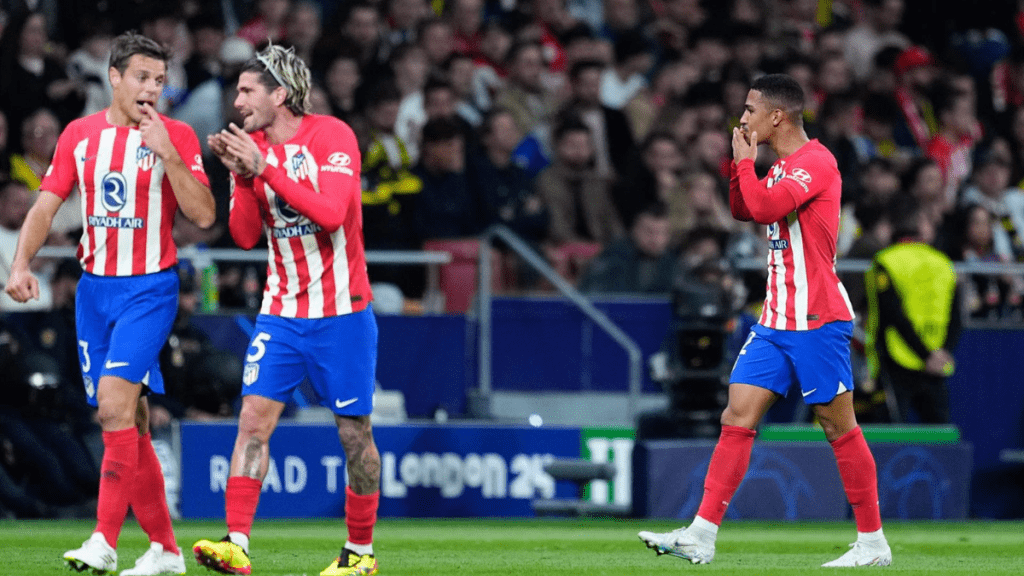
x: 913, y: 322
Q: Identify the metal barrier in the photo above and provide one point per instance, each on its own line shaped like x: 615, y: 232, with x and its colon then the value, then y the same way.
x: 481, y: 404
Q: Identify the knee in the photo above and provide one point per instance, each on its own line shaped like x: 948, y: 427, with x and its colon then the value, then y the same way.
x: 111, y: 418
x: 253, y: 426
x: 733, y: 417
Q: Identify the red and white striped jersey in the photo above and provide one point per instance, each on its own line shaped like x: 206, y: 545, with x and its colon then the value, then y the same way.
x: 128, y: 205
x: 799, y: 200
x: 308, y: 201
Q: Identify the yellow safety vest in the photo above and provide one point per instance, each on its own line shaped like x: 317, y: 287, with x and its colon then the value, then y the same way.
x: 925, y: 282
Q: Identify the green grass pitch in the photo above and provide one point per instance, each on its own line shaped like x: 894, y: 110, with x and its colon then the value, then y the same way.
x: 547, y: 547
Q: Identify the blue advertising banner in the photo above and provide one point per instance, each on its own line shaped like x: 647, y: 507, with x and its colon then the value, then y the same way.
x: 800, y: 480
x: 427, y: 471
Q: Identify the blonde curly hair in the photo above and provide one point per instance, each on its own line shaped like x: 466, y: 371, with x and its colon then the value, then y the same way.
x: 279, y: 66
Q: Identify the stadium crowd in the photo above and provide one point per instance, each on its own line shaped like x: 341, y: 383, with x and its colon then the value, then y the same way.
x: 597, y: 130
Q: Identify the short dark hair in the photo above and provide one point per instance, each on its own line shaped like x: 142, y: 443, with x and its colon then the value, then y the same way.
x: 440, y: 130
x: 584, y: 65
x: 783, y: 91
x: 570, y: 124
x: 129, y: 44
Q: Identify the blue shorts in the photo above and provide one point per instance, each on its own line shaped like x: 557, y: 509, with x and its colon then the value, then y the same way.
x: 338, y: 354
x: 818, y: 359
x: 122, y: 324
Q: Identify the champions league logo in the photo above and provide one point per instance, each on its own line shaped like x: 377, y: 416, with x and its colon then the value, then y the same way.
x: 113, y: 192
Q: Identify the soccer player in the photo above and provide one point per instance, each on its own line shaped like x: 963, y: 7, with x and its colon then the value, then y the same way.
x: 134, y: 169
x: 804, y: 332
x: 296, y: 176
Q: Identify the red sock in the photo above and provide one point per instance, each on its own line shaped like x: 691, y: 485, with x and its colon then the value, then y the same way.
x: 360, y: 515
x: 117, y: 474
x: 725, y: 472
x: 148, y: 499
x: 240, y: 500
x: 857, y: 469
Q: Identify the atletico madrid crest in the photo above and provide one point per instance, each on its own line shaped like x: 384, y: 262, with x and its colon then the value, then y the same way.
x: 145, y: 158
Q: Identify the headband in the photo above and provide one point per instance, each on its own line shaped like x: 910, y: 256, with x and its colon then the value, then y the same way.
x: 266, y: 63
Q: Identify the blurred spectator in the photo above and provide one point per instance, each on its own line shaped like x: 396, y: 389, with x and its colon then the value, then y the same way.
x: 207, y: 31
x: 88, y: 65
x: 357, y: 27
x: 505, y: 189
x: 642, y: 262
x: 439, y: 103
x: 578, y: 197
x: 876, y: 140
x: 701, y: 205
x: 491, y: 63
x: 709, y: 151
x: 838, y: 124
x: 303, y: 28
x: 467, y: 17
x: 268, y: 23
x: 878, y: 28
x: 459, y: 70
x: 524, y: 95
x: 913, y: 321
x: 550, y: 20
x: 411, y: 69
x: 628, y: 77
x: 990, y: 188
x: 164, y: 22
x: 39, y: 133
x: 446, y: 207
x: 916, y: 73
x: 435, y: 37
x: 923, y: 182
x: 389, y: 189
x: 968, y: 238
x: 15, y: 202
x: 675, y: 21
x: 952, y: 146
x: 202, y: 382
x: 860, y: 222
x: 30, y: 78
x: 342, y: 81
x: 654, y: 175
x: 613, y: 138
x: 402, y: 19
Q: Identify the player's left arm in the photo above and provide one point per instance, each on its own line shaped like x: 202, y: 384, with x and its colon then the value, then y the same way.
x: 338, y: 178
x: 189, y: 182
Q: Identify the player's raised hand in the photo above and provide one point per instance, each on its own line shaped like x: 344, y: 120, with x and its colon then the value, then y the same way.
x: 241, y: 145
x: 154, y: 132
x: 743, y: 146
x: 22, y: 285
x: 220, y: 149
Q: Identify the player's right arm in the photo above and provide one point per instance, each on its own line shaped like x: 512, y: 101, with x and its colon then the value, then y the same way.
x: 22, y: 284
x: 244, y: 218
x: 736, y: 205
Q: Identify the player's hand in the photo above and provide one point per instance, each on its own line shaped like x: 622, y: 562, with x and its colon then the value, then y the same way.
x: 22, y: 285
x: 154, y: 132
x: 743, y: 145
x: 940, y: 363
x: 241, y: 145
x: 220, y: 149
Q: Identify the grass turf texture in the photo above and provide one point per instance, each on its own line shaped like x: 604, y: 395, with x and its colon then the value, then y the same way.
x: 546, y: 547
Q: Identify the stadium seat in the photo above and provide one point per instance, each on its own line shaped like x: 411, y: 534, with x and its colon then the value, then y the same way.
x: 581, y: 472
x: 570, y: 259
x: 458, y: 278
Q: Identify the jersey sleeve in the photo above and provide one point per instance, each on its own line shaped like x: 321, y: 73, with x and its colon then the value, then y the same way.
x: 244, y: 219
x: 61, y: 176
x: 736, y: 204
x: 337, y: 153
x: 805, y: 177
x: 187, y: 144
